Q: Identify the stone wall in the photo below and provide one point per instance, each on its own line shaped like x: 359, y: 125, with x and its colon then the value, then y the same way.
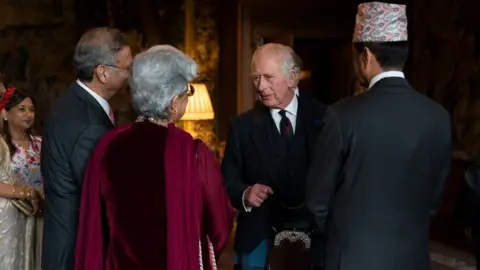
x: 37, y: 39
x: 205, y: 53
x: 36, y: 47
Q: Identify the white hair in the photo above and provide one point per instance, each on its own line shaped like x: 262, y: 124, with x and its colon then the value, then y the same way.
x: 289, y: 60
x: 158, y: 75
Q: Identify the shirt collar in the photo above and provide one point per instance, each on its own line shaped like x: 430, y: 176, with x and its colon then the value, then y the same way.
x: 384, y: 75
x: 291, y: 108
x: 100, y: 100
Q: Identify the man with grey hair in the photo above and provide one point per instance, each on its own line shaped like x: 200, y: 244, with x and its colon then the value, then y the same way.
x: 178, y: 182
x: 297, y: 68
x: 266, y: 159
x: 75, y: 124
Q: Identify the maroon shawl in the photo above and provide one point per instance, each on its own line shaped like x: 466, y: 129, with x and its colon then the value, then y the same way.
x: 146, y: 206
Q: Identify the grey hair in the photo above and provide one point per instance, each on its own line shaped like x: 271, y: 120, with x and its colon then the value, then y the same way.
x: 298, y: 67
x: 289, y: 60
x: 158, y: 75
x: 97, y: 46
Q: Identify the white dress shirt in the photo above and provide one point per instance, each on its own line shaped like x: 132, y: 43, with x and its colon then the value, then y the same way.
x: 101, y: 100
x: 386, y: 74
x: 291, y: 114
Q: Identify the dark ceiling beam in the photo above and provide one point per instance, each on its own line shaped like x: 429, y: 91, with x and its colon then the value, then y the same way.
x: 299, y: 4
x: 321, y: 15
x: 271, y: 5
x: 335, y: 26
x: 336, y: 20
x: 329, y: 20
x: 304, y: 32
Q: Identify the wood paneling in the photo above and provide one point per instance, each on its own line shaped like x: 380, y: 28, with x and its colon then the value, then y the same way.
x: 227, y: 66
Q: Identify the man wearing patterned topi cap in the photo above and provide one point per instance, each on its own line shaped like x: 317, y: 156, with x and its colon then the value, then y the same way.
x: 382, y: 157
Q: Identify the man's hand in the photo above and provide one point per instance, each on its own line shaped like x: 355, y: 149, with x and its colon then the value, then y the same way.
x: 37, y: 200
x: 257, y: 194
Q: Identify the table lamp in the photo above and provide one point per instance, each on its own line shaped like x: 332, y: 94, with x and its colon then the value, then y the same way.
x: 199, y: 108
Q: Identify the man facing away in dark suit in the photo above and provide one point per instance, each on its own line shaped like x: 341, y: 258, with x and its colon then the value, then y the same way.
x: 382, y: 157
x: 75, y: 124
x: 267, y: 155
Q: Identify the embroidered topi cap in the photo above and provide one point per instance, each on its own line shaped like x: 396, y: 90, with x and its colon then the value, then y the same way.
x: 380, y: 22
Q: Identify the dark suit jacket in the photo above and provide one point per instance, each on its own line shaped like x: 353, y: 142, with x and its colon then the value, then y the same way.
x: 249, y: 159
x: 467, y: 211
x: 381, y: 162
x: 73, y: 128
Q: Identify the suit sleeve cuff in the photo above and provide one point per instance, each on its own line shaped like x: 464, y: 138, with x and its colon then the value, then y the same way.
x: 247, y: 208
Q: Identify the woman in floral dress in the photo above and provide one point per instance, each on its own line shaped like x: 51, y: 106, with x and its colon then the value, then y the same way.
x: 20, y: 245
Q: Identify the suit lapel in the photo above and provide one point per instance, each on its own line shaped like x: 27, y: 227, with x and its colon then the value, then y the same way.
x: 83, y: 95
x: 311, y: 116
x: 262, y: 139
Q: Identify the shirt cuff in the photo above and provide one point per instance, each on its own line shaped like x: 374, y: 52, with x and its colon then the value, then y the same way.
x: 247, y: 208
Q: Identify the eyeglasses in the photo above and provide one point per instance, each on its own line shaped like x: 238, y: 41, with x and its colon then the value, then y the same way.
x: 190, y: 90
x: 124, y: 68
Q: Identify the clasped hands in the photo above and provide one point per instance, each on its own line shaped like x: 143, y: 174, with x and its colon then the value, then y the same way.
x: 30, y: 194
x: 36, y: 200
x: 255, y: 195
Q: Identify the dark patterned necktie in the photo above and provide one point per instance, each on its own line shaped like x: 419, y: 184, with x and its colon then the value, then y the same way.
x: 286, y: 128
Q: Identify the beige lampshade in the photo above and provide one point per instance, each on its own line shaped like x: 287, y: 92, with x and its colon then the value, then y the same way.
x: 305, y: 74
x: 199, y: 105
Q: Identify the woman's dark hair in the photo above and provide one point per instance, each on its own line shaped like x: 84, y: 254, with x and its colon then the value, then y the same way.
x: 390, y: 55
x: 16, y: 98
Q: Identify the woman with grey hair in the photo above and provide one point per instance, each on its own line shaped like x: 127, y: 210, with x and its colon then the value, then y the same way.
x: 153, y: 198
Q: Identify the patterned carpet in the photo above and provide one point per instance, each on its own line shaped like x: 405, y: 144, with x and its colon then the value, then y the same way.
x: 443, y: 258
x: 450, y: 258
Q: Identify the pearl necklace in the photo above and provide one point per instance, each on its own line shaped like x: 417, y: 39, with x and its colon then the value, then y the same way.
x: 160, y: 122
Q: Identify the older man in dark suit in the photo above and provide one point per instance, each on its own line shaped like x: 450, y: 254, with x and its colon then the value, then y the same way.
x: 267, y: 155
x: 76, y: 123
x: 382, y: 157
